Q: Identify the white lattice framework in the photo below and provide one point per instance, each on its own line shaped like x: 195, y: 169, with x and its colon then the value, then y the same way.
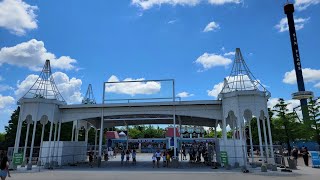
x: 241, y: 78
x: 44, y: 87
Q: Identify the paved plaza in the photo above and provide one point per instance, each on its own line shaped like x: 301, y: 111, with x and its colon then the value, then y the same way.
x: 305, y: 173
x: 112, y: 170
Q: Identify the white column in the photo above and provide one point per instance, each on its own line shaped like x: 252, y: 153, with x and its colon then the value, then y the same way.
x: 58, y: 141
x: 215, y: 131
x: 235, y: 129
x: 127, y: 136
x: 259, y: 134
x: 53, y: 154
x: 86, y: 135
x: 251, y: 143
x: 77, y: 132
x: 95, y: 142
x: 174, y: 121
x: 101, y: 134
x: 41, y: 142
x: 243, y: 145
x: 49, y: 148
x: 270, y: 139
x: 265, y: 139
x: 72, y: 135
x: 224, y: 129
x: 32, y: 143
x: 18, y: 133
x: 26, y: 142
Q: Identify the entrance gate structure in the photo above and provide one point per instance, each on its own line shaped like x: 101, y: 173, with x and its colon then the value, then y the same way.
x: 242, y: 98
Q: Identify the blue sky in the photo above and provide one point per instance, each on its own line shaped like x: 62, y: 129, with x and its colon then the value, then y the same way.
x: 191, y: 41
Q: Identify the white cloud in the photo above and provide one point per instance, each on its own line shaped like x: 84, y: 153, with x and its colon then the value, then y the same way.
x: 6, y: 101
x: 299, y: 24
x: 291, y: 105
x: 184, y: 94
x: 32, y: 54
x: 132, y: 88
x: 25, y: 85
x: 147, y: 4
x: 211, y: 27
x: 211, y: 60
x: 309, y: 75
x: 172, y: 21
x: 221, y: 2
x: 304, y: 4
x: 69, y: 88
x: 5, y: 87
x: 215, y: 90
x: 17, y: 16
x: 232, y: 53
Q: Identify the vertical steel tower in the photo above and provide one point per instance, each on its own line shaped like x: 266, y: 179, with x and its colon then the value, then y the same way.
x: 302, y: 95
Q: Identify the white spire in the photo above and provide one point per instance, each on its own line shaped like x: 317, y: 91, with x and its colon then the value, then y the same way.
x: 89, y: 98
x: 44, y: 87
x: 241, y: 78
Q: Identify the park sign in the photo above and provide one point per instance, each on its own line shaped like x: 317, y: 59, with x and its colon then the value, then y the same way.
x: 224, y: 157
x: 17, y: 158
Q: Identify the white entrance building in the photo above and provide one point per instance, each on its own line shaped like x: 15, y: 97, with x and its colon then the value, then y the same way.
x: 242, y: 98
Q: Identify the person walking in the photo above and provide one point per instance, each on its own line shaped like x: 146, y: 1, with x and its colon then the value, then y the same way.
x: 164, y: 158
x: 154, y: 160
x: 184, y: 153
x: 91, y: 159
x: 4, y: 166
x: 305, y: 156
x: 158, y: 156
x: 168, y: 158
x: 122, y: 156
x: 295, y: 155
x: 127, y: 156
x: 134, y: 155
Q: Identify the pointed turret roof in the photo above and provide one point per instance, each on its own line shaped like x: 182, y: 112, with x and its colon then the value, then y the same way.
x: 89, y: 98
x: 241, y: 78
x: 44, y: 87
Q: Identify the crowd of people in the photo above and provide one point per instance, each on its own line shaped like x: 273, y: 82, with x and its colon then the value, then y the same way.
x: 197, y: 152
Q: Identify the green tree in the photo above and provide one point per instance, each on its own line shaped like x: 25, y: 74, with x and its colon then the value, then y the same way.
x: 287, y: 127
x: 2, y: 137
x: 135, y: 133
x: 314, y: 115
x: 211, y: 134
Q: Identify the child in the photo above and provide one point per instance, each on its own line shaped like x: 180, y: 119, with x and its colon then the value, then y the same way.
x: 164, y: 159
x: 154, y: 160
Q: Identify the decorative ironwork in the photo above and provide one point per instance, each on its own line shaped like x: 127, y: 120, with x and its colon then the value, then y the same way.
x: 89, y: 98
x: 44, y: 87
x: 241, y: 78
